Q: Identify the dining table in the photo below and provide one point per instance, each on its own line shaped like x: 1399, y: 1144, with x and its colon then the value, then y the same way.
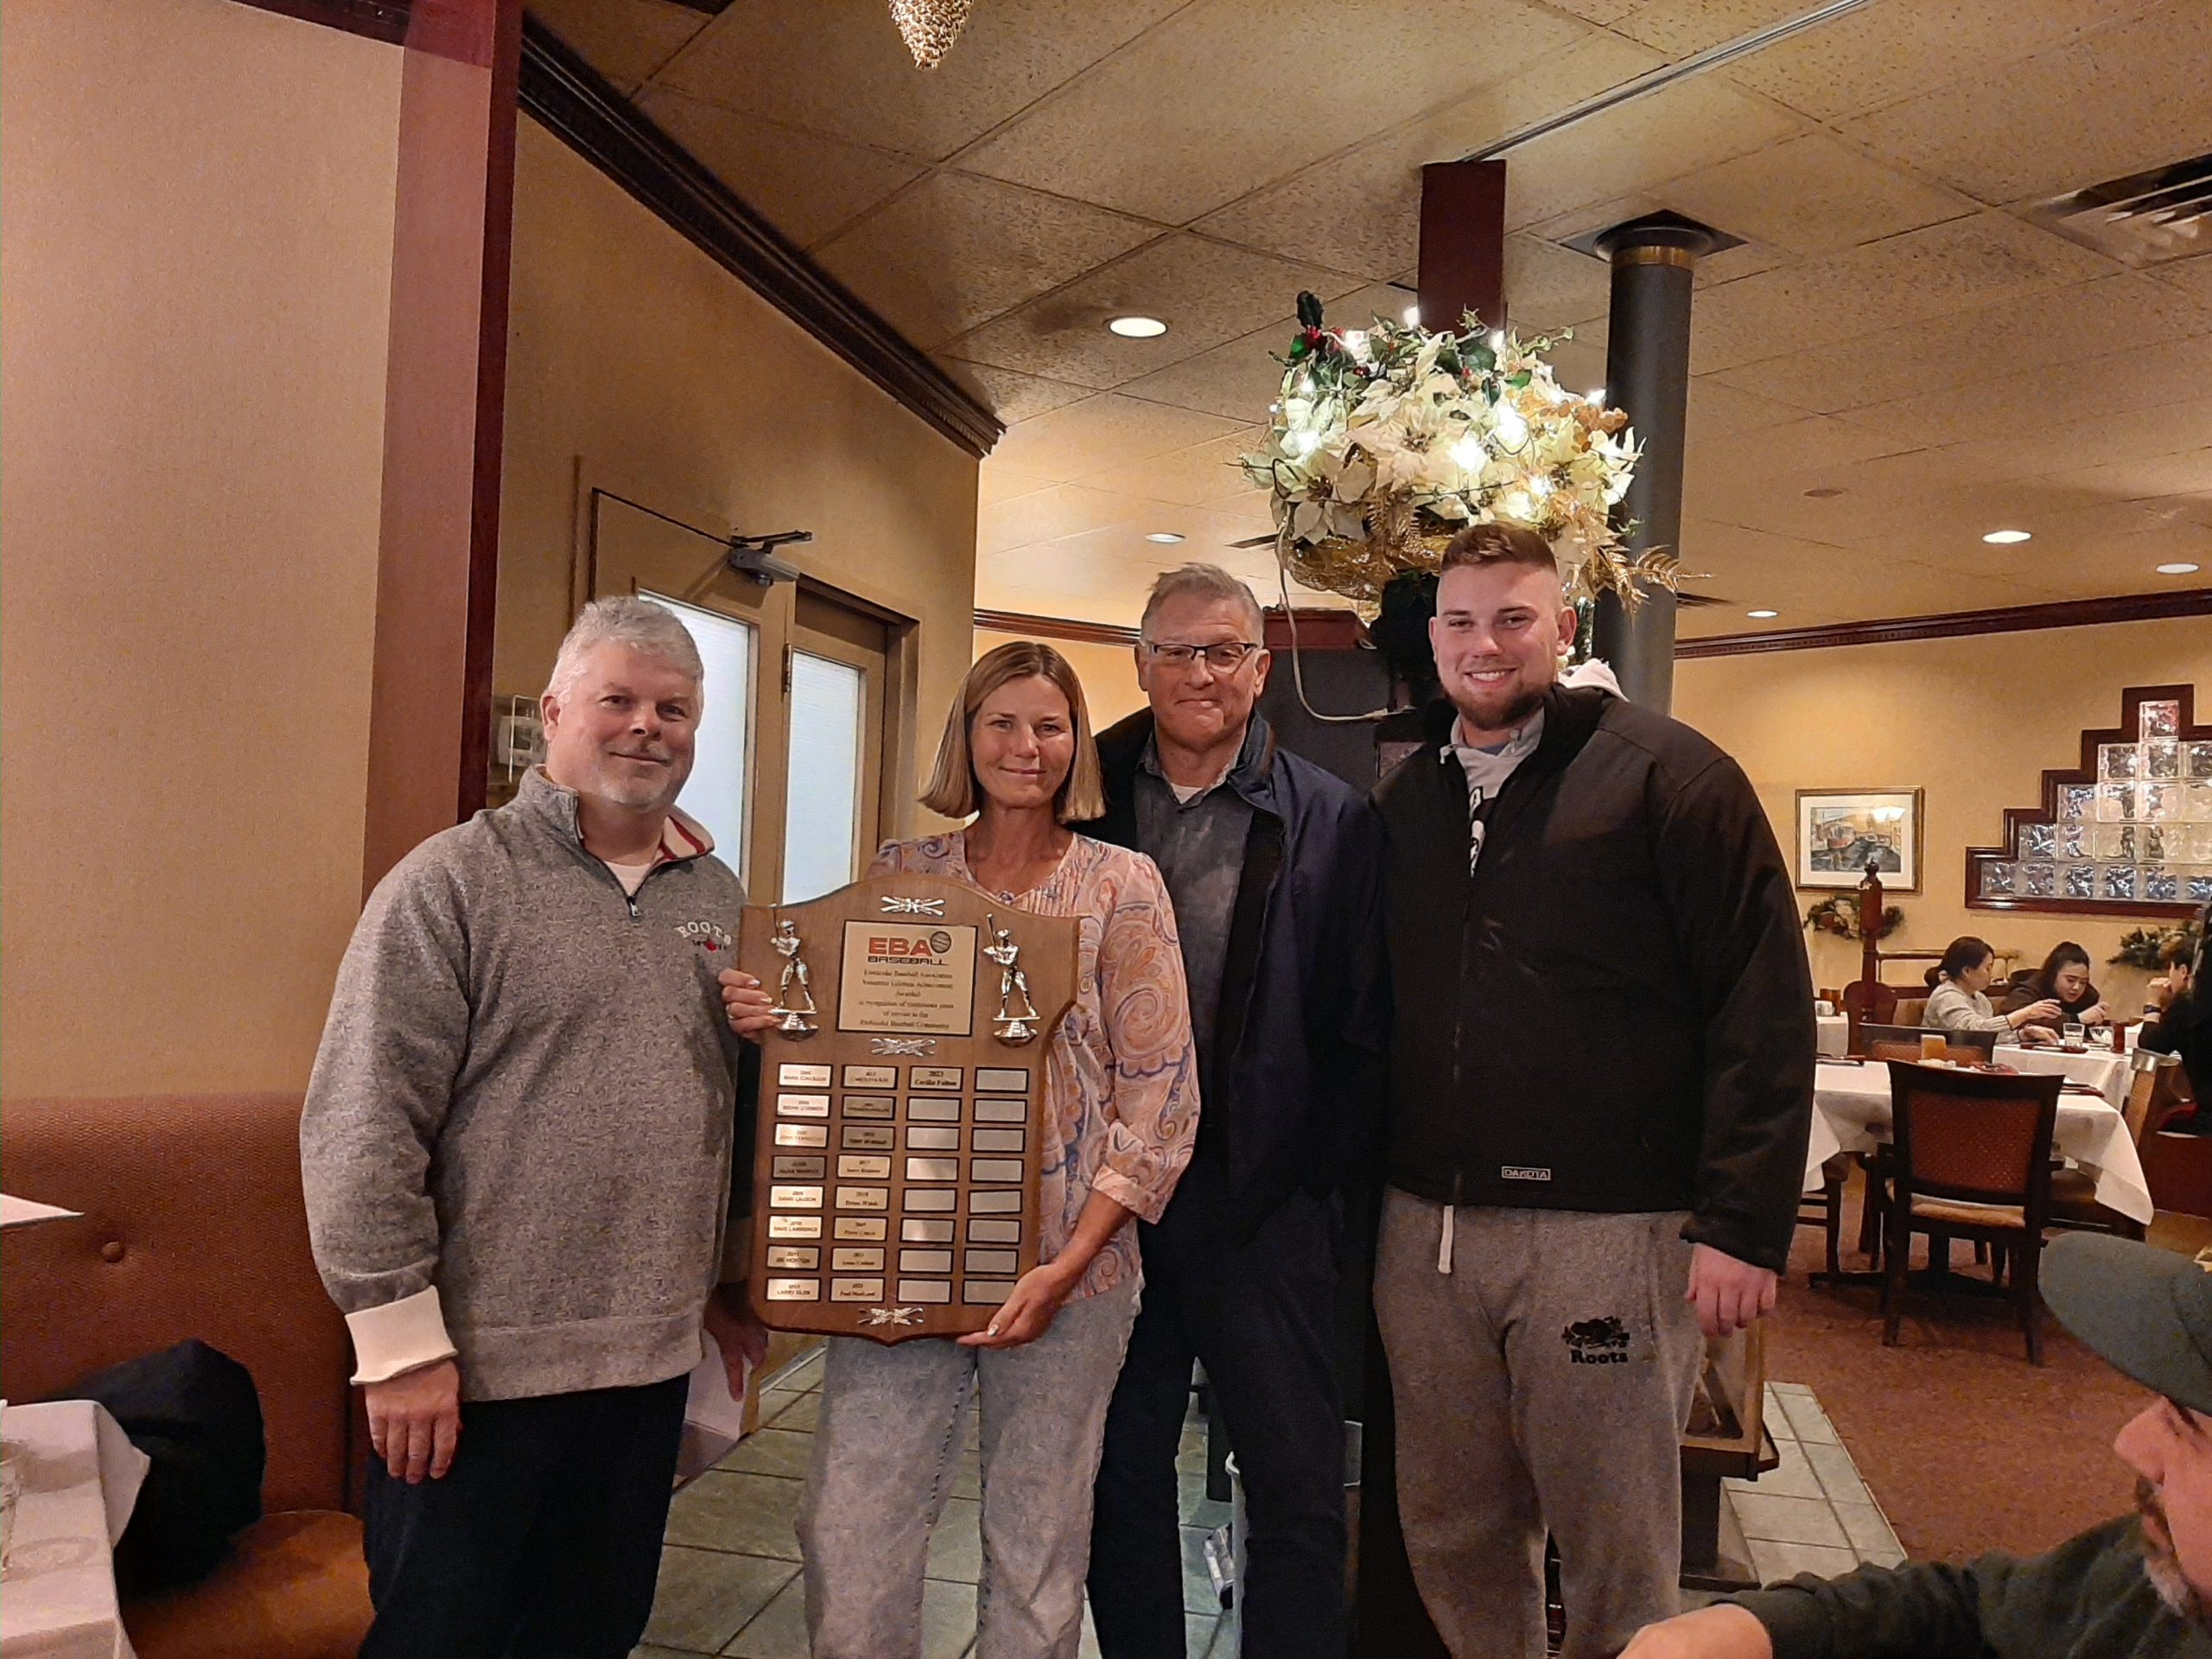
x: 81, y: 1480
x: 1851, y: 1113
x: 2095, y: 1066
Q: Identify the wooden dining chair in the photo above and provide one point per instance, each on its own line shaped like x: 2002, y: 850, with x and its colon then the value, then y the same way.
x: 2074, y: 1193
x: 1969, y: 1157
x: 1903, y: 1043
x: 1824, y: 1209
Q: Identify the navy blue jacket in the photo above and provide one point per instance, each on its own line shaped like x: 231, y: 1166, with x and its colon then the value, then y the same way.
x: 1294, y: 1088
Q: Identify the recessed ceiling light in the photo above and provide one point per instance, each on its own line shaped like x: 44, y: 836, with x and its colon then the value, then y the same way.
x: 1762, y: 616
x: 2006, y: 538
x: 1825, y: 492
x: 2178, y: 569
x: 1137, y: 328
x: 1162, y: 535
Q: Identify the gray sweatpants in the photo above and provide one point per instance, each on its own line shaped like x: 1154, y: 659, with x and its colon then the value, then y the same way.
x: 884, y: 1454
x: 1541, y: 1385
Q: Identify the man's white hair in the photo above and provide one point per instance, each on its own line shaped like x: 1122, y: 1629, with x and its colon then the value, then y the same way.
x: 625, y: 620
x: 1201, y: 582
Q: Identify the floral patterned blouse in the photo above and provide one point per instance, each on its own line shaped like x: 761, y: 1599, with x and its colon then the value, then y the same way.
x: 1122, y: 1076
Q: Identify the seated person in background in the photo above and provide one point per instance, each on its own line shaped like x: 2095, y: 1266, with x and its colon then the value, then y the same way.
x: 1956, y: 999
x: 2179, y: 1021
x: 2137, y: 1587
x: 2063, y: 979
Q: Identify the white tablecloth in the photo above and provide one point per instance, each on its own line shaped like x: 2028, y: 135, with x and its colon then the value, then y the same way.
x: 1851, y: 1113
x: 1835, y: 1033
x: 79, y: 1483
x: 2102, y: 1070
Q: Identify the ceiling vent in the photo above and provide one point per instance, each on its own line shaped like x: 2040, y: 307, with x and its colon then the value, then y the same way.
x: 2144, y: 219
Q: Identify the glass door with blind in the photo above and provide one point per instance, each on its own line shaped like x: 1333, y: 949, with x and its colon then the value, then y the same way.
x: 788, y: 772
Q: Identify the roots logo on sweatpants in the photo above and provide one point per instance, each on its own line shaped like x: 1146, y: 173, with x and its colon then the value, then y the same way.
x: 1602, y: 1341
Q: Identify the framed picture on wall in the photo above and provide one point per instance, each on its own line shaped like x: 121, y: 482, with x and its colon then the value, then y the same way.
x: 1840, y: 830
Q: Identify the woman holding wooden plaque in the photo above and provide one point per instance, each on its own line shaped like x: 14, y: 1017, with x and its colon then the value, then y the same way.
x: 1121, y: 1117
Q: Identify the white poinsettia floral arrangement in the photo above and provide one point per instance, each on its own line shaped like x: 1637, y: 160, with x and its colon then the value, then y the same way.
x: 1387, y: 441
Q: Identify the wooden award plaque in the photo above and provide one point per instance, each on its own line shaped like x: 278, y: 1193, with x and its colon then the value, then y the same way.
x: 901, y: 1128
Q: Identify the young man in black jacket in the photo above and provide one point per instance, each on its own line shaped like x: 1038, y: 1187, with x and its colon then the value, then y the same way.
x: 1600, y: 1092
x: 1275, y: 868
x: 2140, y: 1587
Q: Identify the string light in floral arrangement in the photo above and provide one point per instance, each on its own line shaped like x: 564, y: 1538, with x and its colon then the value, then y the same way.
x: 1387, y: 441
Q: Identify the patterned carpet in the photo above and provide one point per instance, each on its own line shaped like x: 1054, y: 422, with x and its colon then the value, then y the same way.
x: 1967, y: 1445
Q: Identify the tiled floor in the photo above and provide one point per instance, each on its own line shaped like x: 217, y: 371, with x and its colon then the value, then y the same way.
x: 729, y: 1567
x: 729, y: 1570
x: 1812, y: 1514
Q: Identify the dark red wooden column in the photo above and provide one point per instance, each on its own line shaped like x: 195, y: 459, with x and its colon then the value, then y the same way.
x: 1462, y: 243
x: 1462, y: 270
x: 445, y: 387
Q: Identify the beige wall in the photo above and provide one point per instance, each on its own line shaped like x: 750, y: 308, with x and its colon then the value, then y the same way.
x: 197, y: 204
x: 1973, y: 721
x: 631, y: 351
x: 1108, y: 674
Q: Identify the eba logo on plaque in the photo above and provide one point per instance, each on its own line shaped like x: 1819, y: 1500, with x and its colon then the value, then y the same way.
x: 895, y: 948
x: 907, y: 979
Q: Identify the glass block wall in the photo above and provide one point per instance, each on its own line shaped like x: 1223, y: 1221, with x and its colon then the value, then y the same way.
x: 2140, y: 834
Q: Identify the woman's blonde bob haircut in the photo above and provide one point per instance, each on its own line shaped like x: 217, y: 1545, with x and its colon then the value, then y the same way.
x: 953, y: 790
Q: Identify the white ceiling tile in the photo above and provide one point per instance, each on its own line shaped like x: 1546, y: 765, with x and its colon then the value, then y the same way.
x: 1921, y: 275
x: 1638, y: 146
x: 2192, y: 277
x: 2068, y: 325
x: 1204, y: 473
x: 1103, y: 432
x: 1811, y: 443
x: 1237, y: 379
x: 956, y: 250
x: 2147, y: 478
x: 1548, y: 287
x: 1011, y: 396
x: 1240, y: 377
x: 1886, y: 53
x: 1679, y: 27
x: 1361, y: 210
x: 996, y: 483
x: 1811, y: 195
x: 1203, y: 108
x: 2129, y: 95
x: 1048, y: 515
x: 806, y: 186
x: 1207, y: 292
x: 1718, y: 410
x: 838, y: 66
x: 2053, y: 398
x: 624, y: 40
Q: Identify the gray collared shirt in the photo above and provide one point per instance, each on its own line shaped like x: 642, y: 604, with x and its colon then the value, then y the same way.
x: 1487, y: 769
x: 1198, y: 844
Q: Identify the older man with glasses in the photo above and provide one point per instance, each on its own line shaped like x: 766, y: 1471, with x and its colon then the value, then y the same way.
x: 1275, y: 868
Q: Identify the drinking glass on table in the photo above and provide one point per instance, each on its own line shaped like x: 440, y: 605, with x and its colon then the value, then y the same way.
x: 1933, y: 1046
x: 2073, y: 1033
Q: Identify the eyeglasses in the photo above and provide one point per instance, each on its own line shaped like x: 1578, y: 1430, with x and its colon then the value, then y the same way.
x: 1223, y: 659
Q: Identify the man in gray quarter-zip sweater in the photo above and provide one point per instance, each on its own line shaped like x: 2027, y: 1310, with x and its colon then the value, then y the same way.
x: 517, y: 1153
